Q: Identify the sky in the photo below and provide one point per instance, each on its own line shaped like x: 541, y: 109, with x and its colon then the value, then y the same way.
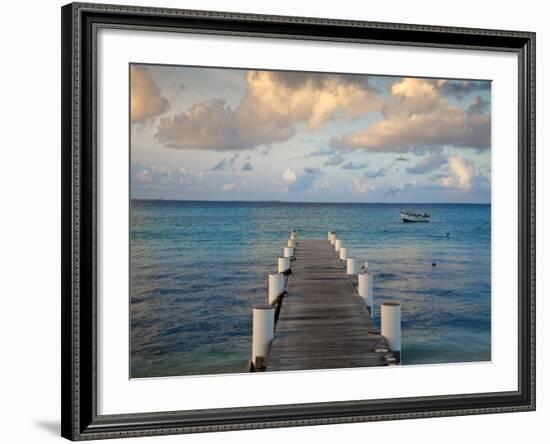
x: 237, y: 134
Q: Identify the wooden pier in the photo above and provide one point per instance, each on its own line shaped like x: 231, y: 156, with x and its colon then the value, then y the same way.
x: 321, y: 322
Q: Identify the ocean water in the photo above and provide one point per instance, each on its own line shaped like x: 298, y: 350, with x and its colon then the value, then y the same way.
x: 198, y: 268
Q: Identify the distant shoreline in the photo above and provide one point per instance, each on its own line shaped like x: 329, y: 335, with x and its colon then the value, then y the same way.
x: 307, y: 203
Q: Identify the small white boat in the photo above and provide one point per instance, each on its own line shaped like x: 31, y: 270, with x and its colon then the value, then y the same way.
x: 411, y: 216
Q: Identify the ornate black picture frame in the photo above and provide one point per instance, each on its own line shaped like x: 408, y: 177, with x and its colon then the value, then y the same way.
x: 80, y: 23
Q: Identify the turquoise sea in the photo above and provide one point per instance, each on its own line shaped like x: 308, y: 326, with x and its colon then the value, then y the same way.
x: 198, y: 268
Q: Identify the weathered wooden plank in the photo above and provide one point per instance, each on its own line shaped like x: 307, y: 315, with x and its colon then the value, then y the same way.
x: 323, y: 323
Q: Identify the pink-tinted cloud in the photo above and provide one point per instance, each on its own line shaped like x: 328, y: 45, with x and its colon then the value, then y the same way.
x: 275, y: 102
x: 418, y: 117
x: 428, y: 164
x: 146, y: 101
x: 462, y: 173
x: 361, y: 185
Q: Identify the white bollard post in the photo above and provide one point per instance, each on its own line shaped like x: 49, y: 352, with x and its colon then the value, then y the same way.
x: 365, y: 290
x: 276, y: 286
x: 343, y: 254
x: 352, y: 266
x: 329, y: 235
x: 263, y: 327
x: 283, y: 264
x: 391, y: 325
x: 337, y: 244
x: 332, y: 238
x: 291, y: 243
x: 289, y: 252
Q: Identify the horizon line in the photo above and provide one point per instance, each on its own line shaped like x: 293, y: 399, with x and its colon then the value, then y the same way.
x: 307, y: 202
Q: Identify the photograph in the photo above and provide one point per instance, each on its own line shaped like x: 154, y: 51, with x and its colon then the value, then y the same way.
x: 298, y: 221
x: 293, y: 218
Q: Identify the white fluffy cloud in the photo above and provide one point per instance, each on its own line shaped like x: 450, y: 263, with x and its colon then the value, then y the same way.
x: 461, y: 173
x: 361, y: 185
x: 275, y: 102
x: 146, y: 101
x: 306, y: 180
x: 229, y: 186
x: 419, y: 117
x: 289, y: 176
x: 305, y: 97
x: 300, y: 182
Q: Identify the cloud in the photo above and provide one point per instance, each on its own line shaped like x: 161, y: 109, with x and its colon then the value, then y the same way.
x: 146, y: 102
x: 145, y: 177
x: 394, y: 191
x: 381, y: 172
x: 461, y: 88
x: 463, y: 173
x: 305, y: 181
x: 310, y: 170
x: 289, y: 176
x: 428, y: 164
x: 418, y: 117
x: 213, y: 125
x: 321, y: 152
x: 275, y: 102
x: 354, y: 166
x: 362, y: 186
x: 247, y: 167
x: 478, y: 106
x: 180, y: 88
x: 334, y: 160
x: 157, y: 176
x: 229, y: 186
x: 313, y: 98
x: 226, y: 164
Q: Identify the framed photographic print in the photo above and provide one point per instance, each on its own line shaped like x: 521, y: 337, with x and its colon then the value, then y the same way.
x: 280, y: 221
